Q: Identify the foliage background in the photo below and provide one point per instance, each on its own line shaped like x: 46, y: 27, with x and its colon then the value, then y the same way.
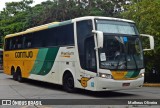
x: 18, y: 16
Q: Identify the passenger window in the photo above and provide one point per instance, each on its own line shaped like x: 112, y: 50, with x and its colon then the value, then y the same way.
x: 27, y: 43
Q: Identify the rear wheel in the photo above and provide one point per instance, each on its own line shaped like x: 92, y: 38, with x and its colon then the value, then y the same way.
x: 68, y: 83
x: 14, y: 75
x: 19, y: 76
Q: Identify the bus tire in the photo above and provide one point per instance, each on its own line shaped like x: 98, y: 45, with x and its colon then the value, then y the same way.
x: 68, y: 83
x: 19, y: 75
x: 15, y: 76
x: 13, y: 73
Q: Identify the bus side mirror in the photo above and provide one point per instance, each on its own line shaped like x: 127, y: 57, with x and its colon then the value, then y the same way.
x: 99, y: 38
x: 151, y: 40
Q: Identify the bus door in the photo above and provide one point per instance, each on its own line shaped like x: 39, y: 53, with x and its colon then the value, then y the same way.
x: 90, y: 70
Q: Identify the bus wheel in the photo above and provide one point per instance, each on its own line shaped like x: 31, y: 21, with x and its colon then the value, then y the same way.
x: 68, y: 83
x: 19, y: 76
x: 14, y: 75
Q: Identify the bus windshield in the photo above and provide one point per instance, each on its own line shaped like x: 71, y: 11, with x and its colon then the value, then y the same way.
x: 122, y: 47
x: 117, y: 27
x: 121, y: 52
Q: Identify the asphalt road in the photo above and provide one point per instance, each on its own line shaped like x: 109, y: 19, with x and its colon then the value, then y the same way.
x: 29, y: 89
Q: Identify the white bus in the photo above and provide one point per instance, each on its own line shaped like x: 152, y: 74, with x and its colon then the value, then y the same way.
x: 92, y: 53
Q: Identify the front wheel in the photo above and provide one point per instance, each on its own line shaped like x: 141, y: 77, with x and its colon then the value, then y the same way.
x: 68, y: 83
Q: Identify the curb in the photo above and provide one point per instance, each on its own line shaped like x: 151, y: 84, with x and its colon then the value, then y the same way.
x: 151, y: 85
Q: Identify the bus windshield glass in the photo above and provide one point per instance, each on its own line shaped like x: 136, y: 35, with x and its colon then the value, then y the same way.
x: 117, y: 27
x: 121, y: 52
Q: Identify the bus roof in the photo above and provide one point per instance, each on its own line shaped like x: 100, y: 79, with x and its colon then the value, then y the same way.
x: 101, y: 17
x: 55, y: 24
x: 34, y: 29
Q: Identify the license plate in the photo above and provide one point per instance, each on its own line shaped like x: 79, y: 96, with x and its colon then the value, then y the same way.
x: 125, y: 84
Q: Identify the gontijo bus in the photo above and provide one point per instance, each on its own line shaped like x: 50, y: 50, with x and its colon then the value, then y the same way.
x: 92, y: 53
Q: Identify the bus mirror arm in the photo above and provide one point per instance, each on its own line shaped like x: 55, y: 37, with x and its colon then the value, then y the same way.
x: 151, y: 40
x: 99, y: 38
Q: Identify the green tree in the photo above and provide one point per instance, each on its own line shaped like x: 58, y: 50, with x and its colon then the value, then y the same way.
x: 13, y: 8
x: 146, y: 14
x: 13, y: 17
x: 60, y: 10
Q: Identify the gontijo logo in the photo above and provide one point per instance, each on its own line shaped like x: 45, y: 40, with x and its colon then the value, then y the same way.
x: 24, y: 54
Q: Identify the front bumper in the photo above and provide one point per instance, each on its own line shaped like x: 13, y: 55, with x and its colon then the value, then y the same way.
x: 103, y: 84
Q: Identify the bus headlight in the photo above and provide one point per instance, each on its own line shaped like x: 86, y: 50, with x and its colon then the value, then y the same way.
x: 103, y: 75
x: 141, y: 75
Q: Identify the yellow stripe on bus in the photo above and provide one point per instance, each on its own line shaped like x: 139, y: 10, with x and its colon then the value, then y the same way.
x: 25, y: 59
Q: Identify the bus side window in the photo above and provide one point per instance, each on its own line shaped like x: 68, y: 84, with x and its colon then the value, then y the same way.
x: 7, y: 42
x: 10, y: 44
x: 28, y: 44
x: 90, y: 55
x: 27, y: 40
x: 13, y: 44
x: 19, y: 42
x: 84, y: 29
